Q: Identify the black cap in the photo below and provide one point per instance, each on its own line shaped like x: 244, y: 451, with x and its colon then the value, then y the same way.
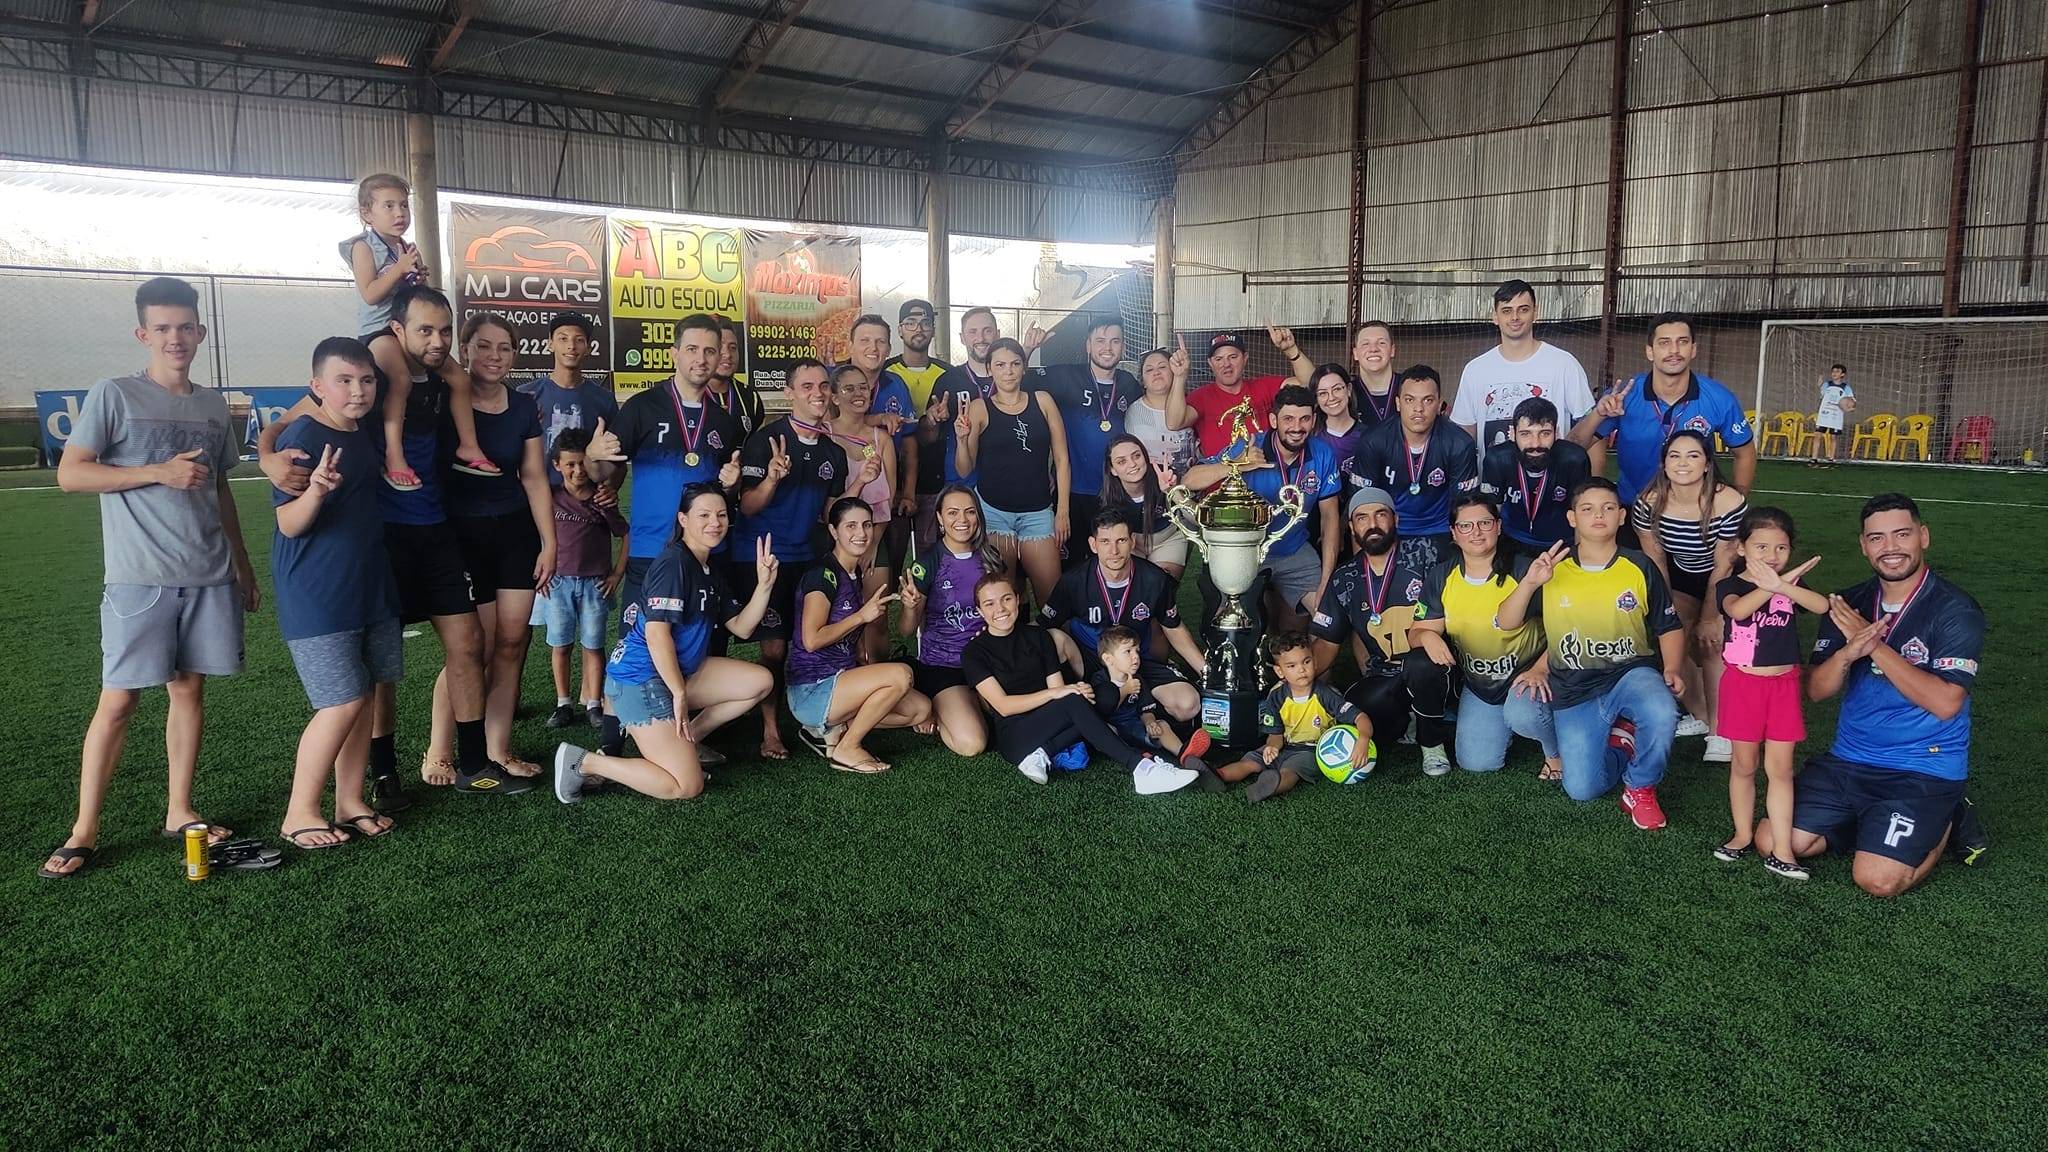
x: 911, y: 306
x: 569, y: 320
x: 1224, y: 340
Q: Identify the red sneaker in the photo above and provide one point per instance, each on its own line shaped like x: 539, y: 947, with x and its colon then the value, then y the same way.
x: 1622, y: 735
x: 1197, y: 745
x: 1642, y: 807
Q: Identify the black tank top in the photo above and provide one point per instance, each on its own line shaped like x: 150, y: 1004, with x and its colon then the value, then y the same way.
x: 1013, y: 468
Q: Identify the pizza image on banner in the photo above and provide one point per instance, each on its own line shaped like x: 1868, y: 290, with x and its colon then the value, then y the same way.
x: 803, y: 295
x: 662, y: 271
x: 526, y: 265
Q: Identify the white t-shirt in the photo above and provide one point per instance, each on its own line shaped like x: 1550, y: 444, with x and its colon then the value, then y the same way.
x: 1831, y: 397
x: 1174, y: 447
x: 1492, y: 385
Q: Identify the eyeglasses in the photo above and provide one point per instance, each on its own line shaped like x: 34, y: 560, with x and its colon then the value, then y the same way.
x: 1470, y: 526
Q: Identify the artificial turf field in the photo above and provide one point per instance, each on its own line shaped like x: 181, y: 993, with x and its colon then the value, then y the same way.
x: 950, y: 956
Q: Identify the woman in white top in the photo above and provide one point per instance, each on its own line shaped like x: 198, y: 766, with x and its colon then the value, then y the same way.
x: 1169, y: 447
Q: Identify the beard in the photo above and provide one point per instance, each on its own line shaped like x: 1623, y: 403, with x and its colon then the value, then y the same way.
x: 1377, y: 543
x: 1536, y: 459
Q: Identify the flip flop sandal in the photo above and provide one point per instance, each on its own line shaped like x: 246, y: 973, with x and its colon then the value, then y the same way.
x: 302, y: 846
x: 867, y: 767
x: 709, y: 757
x: 407, y: 481
x: 478, y: 467
x: 225, y: 833
x: 246, y: 855
x: 353, y: 826
x: 65, y: 856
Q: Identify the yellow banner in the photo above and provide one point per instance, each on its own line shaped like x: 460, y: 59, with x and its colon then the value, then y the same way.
x: 660, y: 273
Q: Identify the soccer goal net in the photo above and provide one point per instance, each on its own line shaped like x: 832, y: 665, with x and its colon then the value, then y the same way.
x: 1962, y: 391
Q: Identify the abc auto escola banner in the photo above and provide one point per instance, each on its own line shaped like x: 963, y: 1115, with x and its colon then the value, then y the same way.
x: 662, y: 271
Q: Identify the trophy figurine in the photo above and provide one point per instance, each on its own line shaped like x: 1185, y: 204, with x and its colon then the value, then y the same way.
x: 1230, y: 524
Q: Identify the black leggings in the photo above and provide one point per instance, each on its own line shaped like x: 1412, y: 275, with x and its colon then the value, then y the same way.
x: 1423, y: 687
x: 1053, y: 726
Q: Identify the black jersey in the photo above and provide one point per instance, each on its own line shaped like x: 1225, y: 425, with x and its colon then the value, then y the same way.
x: 1377, y: 607
x: 1421, y: 484
x: 1532, y: 504
x: 1085, y: 603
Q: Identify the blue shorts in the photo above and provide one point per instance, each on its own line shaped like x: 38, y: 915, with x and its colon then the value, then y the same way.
x: 811, y: 703
x: 574, y: 611
x: 638, y: 705
x: 1017, y: 525
x: 1894, y: 814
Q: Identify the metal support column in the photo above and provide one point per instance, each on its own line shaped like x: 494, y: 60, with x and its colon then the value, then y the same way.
x: 938, y: 238
x: 1162, y: 274
x: 1959, y: 168
x: 1354, y: 266
x: 1617, y: 184
x: 426, y: 193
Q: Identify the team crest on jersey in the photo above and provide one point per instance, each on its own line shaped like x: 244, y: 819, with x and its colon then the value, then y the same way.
x: 1914, y: 651
x: 1415, y: 590
x: 1699, y: 424
x: 1627, y: 601
x: 714, y: 440
x: 632, y: 614
x: 1310, y: 482
x: 1558, y: 493
x: 1141, y: 613
x: 1436, y: 477
x: 1315, y: 721
x: 825, y: 470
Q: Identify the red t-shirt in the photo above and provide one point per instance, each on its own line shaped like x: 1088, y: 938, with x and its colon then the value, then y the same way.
x: 1214, y: 405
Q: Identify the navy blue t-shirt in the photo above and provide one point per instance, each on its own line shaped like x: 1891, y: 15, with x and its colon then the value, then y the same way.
x: 502, y: 436
x: 658, y: 434
x: 335, y: 577
x: 690, y: 598
x: 1939, y: 629
x: 564, y: 408
x: 1084, y: 604
x: 1420, y: 485
x: 420, y: 439
x: 817, y: 476
x: 1085, y: 405
x: 1517, y: 490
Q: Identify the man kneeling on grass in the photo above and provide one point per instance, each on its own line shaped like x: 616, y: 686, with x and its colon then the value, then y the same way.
x: 662, y: 670
x: 1890, y: 788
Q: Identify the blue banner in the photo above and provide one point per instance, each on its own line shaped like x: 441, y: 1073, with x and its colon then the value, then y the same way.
x: 265, y: 405
x: 57, y: 413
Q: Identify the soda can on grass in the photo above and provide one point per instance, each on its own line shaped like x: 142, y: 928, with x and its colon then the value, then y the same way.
x: 197, y: 866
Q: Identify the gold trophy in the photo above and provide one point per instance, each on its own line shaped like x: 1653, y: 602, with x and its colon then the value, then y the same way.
x: 1230, y: 525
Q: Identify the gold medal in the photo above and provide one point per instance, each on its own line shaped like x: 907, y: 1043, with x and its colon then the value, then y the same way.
x: 690, y: 460
x: 1104, y: 425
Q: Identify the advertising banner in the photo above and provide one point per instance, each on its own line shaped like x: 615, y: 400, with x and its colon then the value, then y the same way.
x: 56, y: 415
x: 662, y: 271
x: 526, y: 265
x: 265, y: 405
x: 803, y: 294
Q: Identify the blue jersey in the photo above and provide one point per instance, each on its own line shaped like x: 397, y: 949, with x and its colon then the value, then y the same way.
x: 817, y: 476
x: 502, y: 437
x: 962, y: 386
x: 334, y: 577
x: 892, y: 395
x: 564, y: 408
x: 1421, y: 484
x: 1939, y: 629
x: 420, y: 439
x: 1315, y: 473
x: 687, y: 596
x: 659, y: 433
x: 1646, y: 422
x: 1092, y: 411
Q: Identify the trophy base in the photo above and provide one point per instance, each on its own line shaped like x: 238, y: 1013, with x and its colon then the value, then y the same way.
x: 1231, y: 683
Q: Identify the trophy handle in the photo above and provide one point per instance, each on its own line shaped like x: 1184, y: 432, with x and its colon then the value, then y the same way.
x: 1181, y: 509
x: 1290, y: 503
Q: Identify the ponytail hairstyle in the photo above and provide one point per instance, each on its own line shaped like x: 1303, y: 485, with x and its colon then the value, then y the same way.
x: 691, y: 494
x: 991, y: 560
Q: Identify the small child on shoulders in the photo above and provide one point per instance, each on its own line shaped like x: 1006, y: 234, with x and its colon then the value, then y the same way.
x: 574, y: 608
x: 384, y: 262
x: 1294, y: 717
x: 1759, y: 712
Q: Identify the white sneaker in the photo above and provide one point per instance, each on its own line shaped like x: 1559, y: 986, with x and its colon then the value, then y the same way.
x: 1035, y: 766
x: 1435, y: 761
x: 1153, y: 777
x: 1719, y: 751
x: 1408, y: 736
x: 1690, y: 725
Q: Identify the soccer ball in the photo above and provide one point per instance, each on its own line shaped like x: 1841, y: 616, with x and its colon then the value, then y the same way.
x: 1333, y: 755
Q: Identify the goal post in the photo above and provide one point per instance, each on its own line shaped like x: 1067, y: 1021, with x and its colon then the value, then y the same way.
x: 1977, y: 384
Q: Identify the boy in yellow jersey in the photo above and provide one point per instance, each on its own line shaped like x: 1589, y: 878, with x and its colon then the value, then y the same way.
x: 1293, y: 718
x: 1614, y: 650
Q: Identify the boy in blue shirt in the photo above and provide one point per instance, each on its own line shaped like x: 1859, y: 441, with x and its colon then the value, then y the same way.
x: 337, y: 604
x: 566, y: 399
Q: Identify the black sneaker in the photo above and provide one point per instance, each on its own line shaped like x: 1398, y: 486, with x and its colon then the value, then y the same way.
x: 492, y: 778
x: 387, y: 794
x: 1966, y: 839
x: 595, y: 716
x: 563, y: 716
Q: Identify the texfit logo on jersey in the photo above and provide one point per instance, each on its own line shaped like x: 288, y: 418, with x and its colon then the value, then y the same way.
x: 1575, y: 651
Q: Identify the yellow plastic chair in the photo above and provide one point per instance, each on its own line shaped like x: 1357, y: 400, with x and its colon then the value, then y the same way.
x: 1784, y: 430
x: 1876, y: 434
x: 1809, y: 433
x: 1915, y: 431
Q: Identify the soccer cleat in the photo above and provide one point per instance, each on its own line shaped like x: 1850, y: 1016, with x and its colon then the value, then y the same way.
x: 492, y: 778
x: 387, y: 794
x: 1072, y: 758
x: 1642, y: 807
x: 1622, y: 734
x: 1719, y: 751
x: 1729, y: 855
x: 563, y: 716
x: 1966, y: 839
x: 1262, y: 786
x: 1784, y: 869
x: 569, y: 778
x: 1035, y: 765
x: 1434, y: 761
x: 1690, y: 725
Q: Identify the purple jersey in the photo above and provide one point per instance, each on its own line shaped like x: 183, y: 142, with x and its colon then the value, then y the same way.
x: 806, y: 666
x: 950, y: 617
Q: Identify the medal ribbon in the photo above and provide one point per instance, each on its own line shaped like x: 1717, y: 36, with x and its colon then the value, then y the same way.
x: 814, y: 431
x: 1888, y: 619
x: 689, y: 438
x: 1376, y: 598
x: 1415, y: 462
x: 1531, y: 501
x: 1116, y: 610
x: 1379, y: 412
x: 1108, y: 398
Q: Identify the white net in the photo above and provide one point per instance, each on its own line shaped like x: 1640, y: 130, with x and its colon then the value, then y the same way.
x: 1970, y: 390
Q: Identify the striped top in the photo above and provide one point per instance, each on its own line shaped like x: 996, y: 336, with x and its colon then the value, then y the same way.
x: 1688, y: 549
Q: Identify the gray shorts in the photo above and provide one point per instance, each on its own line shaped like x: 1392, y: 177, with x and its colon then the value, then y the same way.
x: 149, y: 633
x: 1294, y: 577
x: 341, y: 667
x: 1301, y: 760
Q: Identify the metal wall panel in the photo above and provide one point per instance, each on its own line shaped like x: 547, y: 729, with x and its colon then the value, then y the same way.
x: 2007, y: 99
x: 608, y: 170
x: 1508, y: 93
x: 35, y: 116
x: 1311, y: 124
x: 1872, y: 120
x: 152, y: 127
x: 1703, y: 138
x: 1790, y: 48
x: 1450, y: 33
x: 1312, y: 185
x: 2014, y: 29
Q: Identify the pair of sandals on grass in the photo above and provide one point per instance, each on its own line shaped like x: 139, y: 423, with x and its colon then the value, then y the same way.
x: 407, y: 480
x: 223, y: 850
x: 367, y: 826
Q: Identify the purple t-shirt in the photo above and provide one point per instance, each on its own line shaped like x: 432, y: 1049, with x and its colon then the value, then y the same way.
x: 806, y: 666
x: 950, y: 617
x: 583, y: 535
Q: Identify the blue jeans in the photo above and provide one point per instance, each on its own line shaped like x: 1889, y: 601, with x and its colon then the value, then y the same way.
x: 1484, y: 730
x: 1590, y: 766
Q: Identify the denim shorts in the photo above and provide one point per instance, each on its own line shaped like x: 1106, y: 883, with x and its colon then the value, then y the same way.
x: 574, y: 611
x: 1017, y: 525
x: 811, y: 703
x: 638, y: 705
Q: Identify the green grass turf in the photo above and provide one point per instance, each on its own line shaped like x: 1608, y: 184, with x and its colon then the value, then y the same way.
x: 948, y: 955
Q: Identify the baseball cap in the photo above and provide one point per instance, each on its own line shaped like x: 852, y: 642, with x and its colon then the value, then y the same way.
x: 569, y: 320
x: 1367, y: 497
x: 1224, y: 340
x: 913, y: 307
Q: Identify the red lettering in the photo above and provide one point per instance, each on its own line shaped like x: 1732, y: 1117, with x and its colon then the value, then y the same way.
x: 636, y: 253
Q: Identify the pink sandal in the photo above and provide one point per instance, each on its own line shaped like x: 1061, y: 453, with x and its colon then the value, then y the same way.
x: 478, y: 467
x: 405, y: 480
